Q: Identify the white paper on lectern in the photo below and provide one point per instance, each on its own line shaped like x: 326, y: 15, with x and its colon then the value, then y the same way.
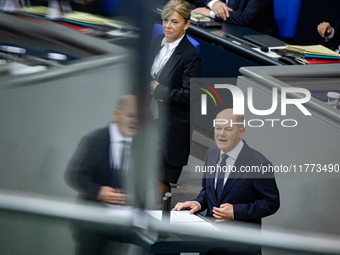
x: 141, y: 220
x: 177, y: 216
x: 186, y: 220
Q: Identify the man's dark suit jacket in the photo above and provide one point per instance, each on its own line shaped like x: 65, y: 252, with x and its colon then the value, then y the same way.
x: 256, y: 14
x: 253, y: 196
x: 335, y: 41
x: 91, y: 168
x: 173, y: 97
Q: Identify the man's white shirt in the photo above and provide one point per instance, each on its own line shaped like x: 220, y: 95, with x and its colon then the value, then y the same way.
x: 210, y: 5
x: 232, y: 156
x: 116, y: 145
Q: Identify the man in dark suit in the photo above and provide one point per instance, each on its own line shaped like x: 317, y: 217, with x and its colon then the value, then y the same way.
x: 256, y: 14
x: 230, y: 192
x: 170, y: 88
x: 242, y: 195
x: 96, y: 170
x: 330, y: 34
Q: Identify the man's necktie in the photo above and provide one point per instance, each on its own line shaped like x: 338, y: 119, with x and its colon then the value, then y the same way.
x: 220, y: 176
x: 125, y: 157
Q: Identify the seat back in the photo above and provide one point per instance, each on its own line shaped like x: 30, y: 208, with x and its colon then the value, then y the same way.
x: 158, y: 30
x: 112, y: 6
x: 287, y: 15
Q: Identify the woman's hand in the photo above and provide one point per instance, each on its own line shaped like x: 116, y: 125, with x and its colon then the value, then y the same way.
x: 153, y: 86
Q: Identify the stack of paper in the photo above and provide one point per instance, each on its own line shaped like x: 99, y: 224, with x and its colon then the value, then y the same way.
x: 184, y: 219
x: 198, y: 17
x: 314, y: 51
x: 90, y: 19
x: 81, y: 17
x: 37, y: 10
x: 86, y: 18
x: 78, y: 20
x: 177, y: 216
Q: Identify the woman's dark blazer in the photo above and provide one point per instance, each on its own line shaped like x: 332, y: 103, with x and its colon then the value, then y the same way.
x: 173, y: 97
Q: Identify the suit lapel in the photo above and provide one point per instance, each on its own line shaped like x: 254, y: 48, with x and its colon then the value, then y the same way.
x: 155, y: 48
x: 173, y: 60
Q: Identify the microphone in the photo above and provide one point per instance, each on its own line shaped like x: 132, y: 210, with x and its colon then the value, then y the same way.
x: 264, y: 49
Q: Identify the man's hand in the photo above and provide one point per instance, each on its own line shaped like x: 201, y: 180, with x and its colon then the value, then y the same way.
x: 192, y: 205
x: 111, y: 196
x: 224, y: 212
x: 203, y: 11
x: 324, y: 29
x: 221, y: 10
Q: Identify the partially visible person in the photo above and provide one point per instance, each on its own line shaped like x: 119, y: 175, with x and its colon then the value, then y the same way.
x: 98, y: 171
x: 255, y: 14
x: 330, y: 34
x: 175, y: 61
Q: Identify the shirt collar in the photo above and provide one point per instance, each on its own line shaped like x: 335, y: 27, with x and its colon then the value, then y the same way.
x: 115, y: 135
x: 172, y: 45
x: 234, y: 152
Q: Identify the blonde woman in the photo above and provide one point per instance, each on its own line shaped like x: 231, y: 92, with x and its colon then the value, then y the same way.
x: 175, y: 61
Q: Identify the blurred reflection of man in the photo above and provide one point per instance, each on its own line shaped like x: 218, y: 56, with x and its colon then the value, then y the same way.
x: 98, y: 171
x: 99, y: 168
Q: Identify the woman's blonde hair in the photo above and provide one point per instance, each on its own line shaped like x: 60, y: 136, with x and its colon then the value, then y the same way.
x: 180, y: 6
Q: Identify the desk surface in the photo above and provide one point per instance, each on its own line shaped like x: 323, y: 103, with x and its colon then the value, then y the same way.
x: 230, y: 37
